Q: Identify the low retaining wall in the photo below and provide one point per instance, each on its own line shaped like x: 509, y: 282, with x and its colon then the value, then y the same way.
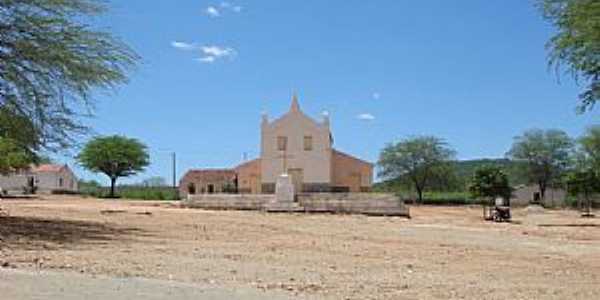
x: 354, y: 203
x: 228, y: 202
x: 348, y: 203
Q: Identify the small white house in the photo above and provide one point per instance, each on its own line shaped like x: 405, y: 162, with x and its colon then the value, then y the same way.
x: 526, y: 194
x: 44, y: 179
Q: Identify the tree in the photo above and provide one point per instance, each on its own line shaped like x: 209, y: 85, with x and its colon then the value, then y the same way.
x: 583, y: 181
x: 490, y: 182
x: 547, y: 153
x: 115, y: 156
x: 589, y: 147
x: 576, y: 46
x: 418, y: 160
x: 13, y: 157
x: 18, y: 142
x: 50, y: 63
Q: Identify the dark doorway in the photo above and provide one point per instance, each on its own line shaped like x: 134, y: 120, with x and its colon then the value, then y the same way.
x: 537, y: 197
x: 211, y: 189
x: 30, y: 185
x: 191, y: 189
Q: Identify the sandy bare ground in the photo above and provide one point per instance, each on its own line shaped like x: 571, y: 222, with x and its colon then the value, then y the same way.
x: 442, y: 253
x: 26, y: 285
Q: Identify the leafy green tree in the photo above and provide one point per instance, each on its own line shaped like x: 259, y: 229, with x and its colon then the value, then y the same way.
x: 13, y: 157
x: 51, y: 61
x: 17, y: 141
x: 418, y: 160
x: 490, y: 182
x: 576, y: 45
x: 589, y: 147
x: 115, y: 156
x: 583, y: 182
x: 547, y: 153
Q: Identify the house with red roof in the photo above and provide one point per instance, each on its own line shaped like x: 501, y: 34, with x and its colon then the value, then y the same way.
x: 44, y: 179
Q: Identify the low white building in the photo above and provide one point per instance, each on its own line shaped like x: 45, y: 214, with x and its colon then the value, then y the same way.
x: 526, y: 194
x: 44, y: 179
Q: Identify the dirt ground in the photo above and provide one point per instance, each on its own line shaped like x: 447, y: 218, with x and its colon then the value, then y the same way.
x: 441, y: 253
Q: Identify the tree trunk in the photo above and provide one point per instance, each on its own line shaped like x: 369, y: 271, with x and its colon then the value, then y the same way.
x: 542, y: 186
x: 113, y: 180
x: 588, y: 203
x: 420, y: 195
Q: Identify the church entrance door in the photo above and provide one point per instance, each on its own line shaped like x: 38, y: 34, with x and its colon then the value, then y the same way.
x: 297, y: 179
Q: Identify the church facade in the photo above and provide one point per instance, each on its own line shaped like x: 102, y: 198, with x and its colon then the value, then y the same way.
x: 294, y: 144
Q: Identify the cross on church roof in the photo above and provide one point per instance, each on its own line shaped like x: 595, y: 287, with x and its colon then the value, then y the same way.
x: 295, y: 106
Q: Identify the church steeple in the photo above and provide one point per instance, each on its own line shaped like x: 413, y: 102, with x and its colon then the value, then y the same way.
x: 295, y: 106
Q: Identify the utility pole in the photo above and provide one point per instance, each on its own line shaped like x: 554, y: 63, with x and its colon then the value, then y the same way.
x: 174, y: 170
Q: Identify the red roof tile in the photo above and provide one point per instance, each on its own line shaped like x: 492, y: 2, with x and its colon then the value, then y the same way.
x: 47, y: 168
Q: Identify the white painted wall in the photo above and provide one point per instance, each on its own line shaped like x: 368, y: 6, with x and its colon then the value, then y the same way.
x: 316, y: 164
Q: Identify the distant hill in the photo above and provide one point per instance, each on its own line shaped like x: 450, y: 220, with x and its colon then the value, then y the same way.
x: 463, y: 171
x: 515, y: 170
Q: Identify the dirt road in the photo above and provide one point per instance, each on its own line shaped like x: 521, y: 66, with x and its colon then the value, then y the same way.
x: 26, y: 285
x: 441, y: 253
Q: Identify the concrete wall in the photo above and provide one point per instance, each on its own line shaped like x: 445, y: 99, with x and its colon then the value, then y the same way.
x: 46, y: 182
x: 14, y: 183
x: 201, y: 180
x: 64, y: 180
x: 354, y: 203
x: 523, y: 195
x: 349, y: 203
x: 227, y: 202
x: 350, y: 172
x: 295, y: 125
x: 249, y: 180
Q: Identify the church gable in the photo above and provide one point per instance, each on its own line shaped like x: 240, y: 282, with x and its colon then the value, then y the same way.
x: 295, y: 143
x: 296, y: 118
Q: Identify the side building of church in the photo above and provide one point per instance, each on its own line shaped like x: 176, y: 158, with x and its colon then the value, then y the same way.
x: 294, y: 144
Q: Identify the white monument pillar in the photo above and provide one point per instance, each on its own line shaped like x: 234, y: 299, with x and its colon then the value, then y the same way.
x: 284, y: 196
x: 284, y: 189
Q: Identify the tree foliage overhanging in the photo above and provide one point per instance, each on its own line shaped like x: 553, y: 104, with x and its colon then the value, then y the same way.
x: 51, y: 61
x: 576, y: 46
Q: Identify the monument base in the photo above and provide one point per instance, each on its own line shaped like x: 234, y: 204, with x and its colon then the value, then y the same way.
x: 284, y: 196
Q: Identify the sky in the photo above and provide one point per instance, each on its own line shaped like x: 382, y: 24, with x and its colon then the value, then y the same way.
x: 473, y: 72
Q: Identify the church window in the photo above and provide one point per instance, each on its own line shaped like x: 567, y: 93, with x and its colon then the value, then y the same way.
x: 282, y: 143
x: 308, y: 143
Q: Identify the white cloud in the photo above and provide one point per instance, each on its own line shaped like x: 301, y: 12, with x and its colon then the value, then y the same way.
x: 183, y: 46
x: 208, y: 54
x: 206, y: 59
x: 213, y: 53
x: 376, y: 96
x: 229, y: 6
x: 218, y: 52
x: 366, y: 117
x: 212, y: 11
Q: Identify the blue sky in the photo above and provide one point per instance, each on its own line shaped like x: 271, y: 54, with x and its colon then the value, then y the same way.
x: 471, y: 71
